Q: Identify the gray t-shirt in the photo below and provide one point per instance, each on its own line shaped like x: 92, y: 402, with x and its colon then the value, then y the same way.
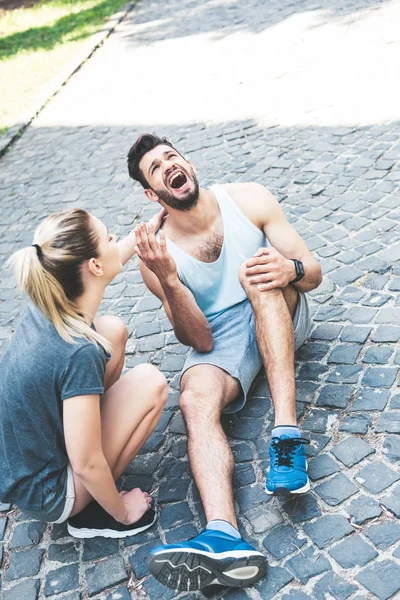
x: 38, y: 371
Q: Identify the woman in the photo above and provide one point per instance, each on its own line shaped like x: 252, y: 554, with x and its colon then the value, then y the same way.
x: 69, y: 425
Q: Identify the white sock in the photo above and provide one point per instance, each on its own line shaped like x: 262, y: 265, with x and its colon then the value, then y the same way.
x: 289, y: 430
x: 224, y: 526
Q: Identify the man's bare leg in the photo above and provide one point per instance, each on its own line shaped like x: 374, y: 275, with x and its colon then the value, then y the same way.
x: 206, y: 390
x: 273, y: 311
x: 218, y: 555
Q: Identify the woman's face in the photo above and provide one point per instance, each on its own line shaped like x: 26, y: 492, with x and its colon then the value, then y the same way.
x: 109, y: 257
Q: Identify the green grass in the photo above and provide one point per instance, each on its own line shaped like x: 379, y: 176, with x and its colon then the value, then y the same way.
x: 36, y: 42
x: 82, y: 19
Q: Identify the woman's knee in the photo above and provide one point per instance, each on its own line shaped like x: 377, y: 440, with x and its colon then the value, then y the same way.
x: 113, y: 329
x: 149, y: 378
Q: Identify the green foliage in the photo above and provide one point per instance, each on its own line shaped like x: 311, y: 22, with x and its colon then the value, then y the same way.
x: 81, y: 22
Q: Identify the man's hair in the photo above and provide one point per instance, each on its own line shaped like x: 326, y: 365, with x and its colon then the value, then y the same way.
x: 144, y: 143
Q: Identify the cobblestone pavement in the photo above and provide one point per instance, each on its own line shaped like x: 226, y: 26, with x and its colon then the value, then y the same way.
x: 300, y: 96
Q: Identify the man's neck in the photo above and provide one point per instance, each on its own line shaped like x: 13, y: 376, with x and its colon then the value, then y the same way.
x: 197, y: 220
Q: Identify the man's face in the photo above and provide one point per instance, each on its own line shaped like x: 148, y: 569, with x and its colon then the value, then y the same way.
x: 170, y: 177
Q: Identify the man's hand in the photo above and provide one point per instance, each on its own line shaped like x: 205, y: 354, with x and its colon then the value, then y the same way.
x: 268, y: 269
x: 155, y: 254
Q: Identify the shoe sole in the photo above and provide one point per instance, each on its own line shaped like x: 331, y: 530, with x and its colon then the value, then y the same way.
x: 285, y: 492
x: 85, y: 533
x: 187, y: 570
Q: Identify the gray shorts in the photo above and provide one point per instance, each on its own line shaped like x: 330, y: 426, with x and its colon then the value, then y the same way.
x: 235, y: 345
x: 51, y: 514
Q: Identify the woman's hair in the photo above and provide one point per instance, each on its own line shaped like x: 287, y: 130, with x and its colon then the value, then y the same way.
x: 49, y: 271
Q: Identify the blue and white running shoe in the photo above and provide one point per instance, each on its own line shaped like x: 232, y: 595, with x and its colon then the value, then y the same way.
x: 288, y: 466
x: 211, y: 558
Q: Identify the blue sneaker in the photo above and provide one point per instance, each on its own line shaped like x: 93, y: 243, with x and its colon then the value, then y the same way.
x: 211, y: 558
x: 288, y: 466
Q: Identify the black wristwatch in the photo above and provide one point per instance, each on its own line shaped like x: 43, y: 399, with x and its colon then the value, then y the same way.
x: 299, y: 270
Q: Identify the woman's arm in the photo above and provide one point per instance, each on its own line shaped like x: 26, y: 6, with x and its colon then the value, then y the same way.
x: 126, y: 246
x: 82, y: 431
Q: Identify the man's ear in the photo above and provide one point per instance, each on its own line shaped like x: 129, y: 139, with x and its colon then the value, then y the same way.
x: 152, y: 196
x: 95, y: 267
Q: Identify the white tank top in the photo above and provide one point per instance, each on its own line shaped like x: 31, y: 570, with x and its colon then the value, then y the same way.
x: 216, y: 286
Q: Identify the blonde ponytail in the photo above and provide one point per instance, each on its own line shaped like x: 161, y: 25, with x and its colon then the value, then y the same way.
x: 49, y: 272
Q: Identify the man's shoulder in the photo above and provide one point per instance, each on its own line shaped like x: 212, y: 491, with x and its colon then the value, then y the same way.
x: 254, y: 199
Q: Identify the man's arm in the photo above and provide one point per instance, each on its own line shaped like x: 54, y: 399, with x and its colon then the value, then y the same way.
x: 272, y: 267
x: 159, y: 274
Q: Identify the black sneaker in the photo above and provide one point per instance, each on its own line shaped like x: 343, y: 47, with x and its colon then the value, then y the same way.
x: 94, y: 521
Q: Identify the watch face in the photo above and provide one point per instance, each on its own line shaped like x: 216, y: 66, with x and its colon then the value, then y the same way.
x: 301, y: 268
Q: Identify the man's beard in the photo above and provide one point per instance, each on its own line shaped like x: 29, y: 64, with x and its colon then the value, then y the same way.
x: 186, y: 204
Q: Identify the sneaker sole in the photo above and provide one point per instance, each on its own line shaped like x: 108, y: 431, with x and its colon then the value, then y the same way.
x: 85, y: 533
x: 187, y: 570
x: 282, y: 491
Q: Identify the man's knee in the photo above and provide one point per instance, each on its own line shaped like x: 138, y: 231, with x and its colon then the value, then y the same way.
x: 199, y: 407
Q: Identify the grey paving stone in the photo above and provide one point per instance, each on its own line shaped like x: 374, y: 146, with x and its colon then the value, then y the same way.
x: 335, y: 396
x: 283, y: 540
x: 27, y: 534
x: 395, y: 401
x: 353, y: 552
x: 376, y: 477
x: 243, y: 475
x: 345, y: 374
x: 173, y: 490
x: 251, y: 496
x: 155, y: 589
x: 262, y: 519
x: 370, y: 399
x: 361, y: 315
x: 105, y: 574
x: 3, y: 524
x: 391, y: 448
x: 295, y: 595
x: 120, y: 593
x: 317, y: 420
x: 354, y: 333
x: 328, y: 529
x: 98, y: 547
x: 322, y: 466
x: 344, y: 354
x: 27, y: 590
x: 303, y: 508
x: 305, y: 391
x: 311, y: 372
x: 64, y: 553
x: 336, y: 490
x: 379, y: 377
x: 138, y: 559
x: 62, y: 579
x: 383, y: 535
x: 386, y: 333
x: 389, y: 422
x: 24, y: 563
x: 364, y: 508
x: 276, y: 580
x: 378, y: 355
x: 175, y: 514
x: 381, y: 578
x: 317, y: 443
x: 4, y: 507
x: 345, y: 275
x: 333, y: 586
x: 307, y: 564
x: 352, y: 450
x: 391, y: 501
x: 247, y: 428
x: 327, y: 331
x: 356, y: 423
x: 181, y: 533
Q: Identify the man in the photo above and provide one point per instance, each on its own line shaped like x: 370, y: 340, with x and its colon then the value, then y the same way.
x: 238, y: 300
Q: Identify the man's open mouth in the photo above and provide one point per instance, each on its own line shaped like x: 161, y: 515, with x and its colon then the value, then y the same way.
x: 177, y: 180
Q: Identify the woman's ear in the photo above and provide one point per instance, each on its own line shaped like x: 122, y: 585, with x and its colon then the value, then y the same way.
x: 152, y: 196
x: 95, y: 267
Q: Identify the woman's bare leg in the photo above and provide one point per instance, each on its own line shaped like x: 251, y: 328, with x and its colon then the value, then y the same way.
x: 130, y: 409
